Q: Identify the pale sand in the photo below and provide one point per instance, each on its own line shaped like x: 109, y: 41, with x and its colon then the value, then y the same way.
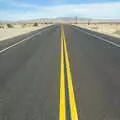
x: 6, y: 33
x: 109, y: 29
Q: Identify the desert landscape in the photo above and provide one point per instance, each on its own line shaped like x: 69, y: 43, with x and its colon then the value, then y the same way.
x: 59, y: 60
x: 112, y: 29
x: 10, y: 30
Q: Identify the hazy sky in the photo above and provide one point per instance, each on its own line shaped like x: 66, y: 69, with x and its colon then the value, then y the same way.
x: 32, y: 9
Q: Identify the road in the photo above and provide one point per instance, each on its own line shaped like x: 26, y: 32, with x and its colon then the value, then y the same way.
x: 61, y: 72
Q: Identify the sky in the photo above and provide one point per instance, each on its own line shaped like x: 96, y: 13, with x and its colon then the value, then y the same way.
x: 35, y: 9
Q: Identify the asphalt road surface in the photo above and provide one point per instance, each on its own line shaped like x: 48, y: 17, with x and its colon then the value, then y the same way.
x: 61, y: 72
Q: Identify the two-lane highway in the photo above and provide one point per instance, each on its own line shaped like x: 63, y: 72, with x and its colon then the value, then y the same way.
x: 68, y: 108
x: 96, y: 75
x: 60, y: 73
x: 29, y: 78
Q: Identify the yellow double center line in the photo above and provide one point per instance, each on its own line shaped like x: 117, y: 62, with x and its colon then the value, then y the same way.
x: 72, y: 103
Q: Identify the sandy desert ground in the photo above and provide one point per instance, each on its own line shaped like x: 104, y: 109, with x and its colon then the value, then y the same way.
x: 17, y: 30
x: 112, y: 29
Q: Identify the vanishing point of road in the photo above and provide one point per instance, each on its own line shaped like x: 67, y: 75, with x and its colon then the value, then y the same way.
x: 60, y: 72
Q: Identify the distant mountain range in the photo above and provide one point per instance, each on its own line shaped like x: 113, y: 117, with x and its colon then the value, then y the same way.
x: 62, y: 19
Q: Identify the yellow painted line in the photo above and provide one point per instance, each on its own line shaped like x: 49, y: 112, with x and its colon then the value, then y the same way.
x: 62, y: 111
x: 73, y: 109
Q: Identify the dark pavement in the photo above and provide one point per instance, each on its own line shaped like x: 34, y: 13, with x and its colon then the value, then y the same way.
x: 30, y: 76
x: 29, y: 79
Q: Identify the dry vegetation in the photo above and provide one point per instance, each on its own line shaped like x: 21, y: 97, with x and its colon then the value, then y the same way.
x: 112, y: 29
x: 11, y: 30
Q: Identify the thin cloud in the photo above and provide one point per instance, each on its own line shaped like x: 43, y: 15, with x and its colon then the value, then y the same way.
x: 93, y: 10
x: 18, y: 4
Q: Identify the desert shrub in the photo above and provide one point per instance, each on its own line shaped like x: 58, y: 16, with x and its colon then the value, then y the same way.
x: 24, y: 25
x: 1, y: 26
x: 117, y: 32
x: 35, y: 24
x: 10, y: 26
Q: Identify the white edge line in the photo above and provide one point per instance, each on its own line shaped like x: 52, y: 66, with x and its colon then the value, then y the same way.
x: 5, y: 49
x: 101, y: 38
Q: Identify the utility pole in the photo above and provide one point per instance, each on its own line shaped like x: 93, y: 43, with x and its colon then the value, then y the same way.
x: 76, y: 20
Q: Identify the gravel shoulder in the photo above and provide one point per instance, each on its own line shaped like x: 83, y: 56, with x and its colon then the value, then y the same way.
x: 108, y: 29
x: 8, y: 33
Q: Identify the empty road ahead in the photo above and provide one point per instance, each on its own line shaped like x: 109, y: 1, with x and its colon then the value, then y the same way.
x: 61, y: 72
